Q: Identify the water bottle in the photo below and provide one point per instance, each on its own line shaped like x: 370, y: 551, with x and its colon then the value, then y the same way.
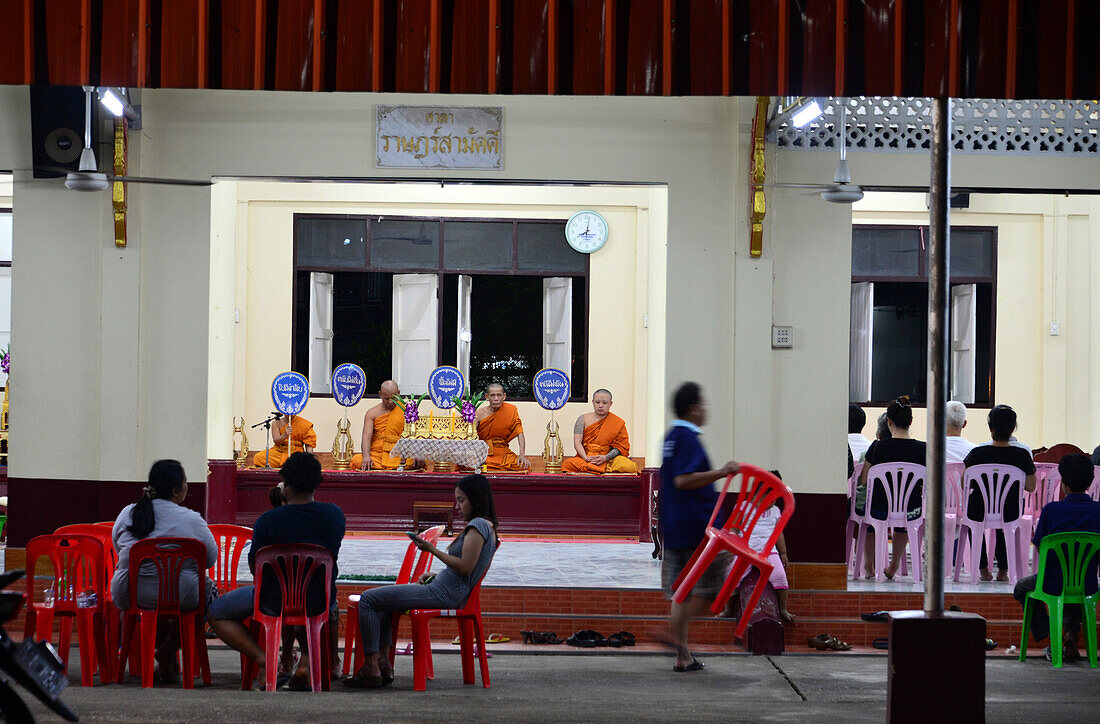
x: 86, y: 599
x: 48, y: 596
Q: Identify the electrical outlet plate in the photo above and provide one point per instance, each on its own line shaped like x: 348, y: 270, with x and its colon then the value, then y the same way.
x: 782, y: 337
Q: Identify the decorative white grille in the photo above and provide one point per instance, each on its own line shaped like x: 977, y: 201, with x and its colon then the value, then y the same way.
x: 980, y: 126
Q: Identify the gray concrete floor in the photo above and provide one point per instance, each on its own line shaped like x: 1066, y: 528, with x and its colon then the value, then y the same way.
x: 604, y: 687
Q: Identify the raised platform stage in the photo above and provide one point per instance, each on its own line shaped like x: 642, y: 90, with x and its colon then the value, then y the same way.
x: 533, y: 504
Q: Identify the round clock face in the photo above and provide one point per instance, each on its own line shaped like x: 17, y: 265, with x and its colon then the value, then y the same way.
x: 586, y: 231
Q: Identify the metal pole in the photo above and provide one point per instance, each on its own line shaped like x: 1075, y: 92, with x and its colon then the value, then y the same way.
x: 939, y: 251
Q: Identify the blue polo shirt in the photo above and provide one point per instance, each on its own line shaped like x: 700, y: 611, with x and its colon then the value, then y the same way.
x: 684, y: 513
x: 1076, y: 512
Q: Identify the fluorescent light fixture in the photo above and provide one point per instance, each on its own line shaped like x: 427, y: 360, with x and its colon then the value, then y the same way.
x: 806, y: 113
x: 111, y: 101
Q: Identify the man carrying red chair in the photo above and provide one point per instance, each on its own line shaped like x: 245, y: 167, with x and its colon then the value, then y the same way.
x: 301, y: 520
x: 687, y: 500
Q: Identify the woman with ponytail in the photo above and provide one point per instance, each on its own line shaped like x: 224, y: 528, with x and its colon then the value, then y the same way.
x: 159, y: 513
x: 898, y: 447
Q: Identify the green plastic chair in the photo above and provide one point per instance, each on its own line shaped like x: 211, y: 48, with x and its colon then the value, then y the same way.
x: 1073, y: 551
x: 3, y: 524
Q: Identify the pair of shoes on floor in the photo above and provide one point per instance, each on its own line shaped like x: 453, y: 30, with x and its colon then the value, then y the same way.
x: 1070, y: 653
x: 493, y: 638
x: 541, y: 637
x: 827, y: 642
x: 588, y: 639
x: 695, y: 665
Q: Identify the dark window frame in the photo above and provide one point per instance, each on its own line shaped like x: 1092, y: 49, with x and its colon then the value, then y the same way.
x: 441, y: 271
x: 921, y: 277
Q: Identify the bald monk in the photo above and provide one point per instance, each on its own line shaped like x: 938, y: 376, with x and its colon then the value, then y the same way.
x: 600, y: 440
x: 302, y: 438
x: 499, y: 424
x: 382, y: 427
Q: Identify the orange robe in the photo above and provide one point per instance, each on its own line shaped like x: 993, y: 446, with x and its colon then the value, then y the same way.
x: 598, y: 439
x: 301, y: 433
x: 498, y: 429
x: 387, y: 431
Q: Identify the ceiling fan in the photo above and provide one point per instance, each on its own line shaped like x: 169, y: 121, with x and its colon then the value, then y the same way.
x: 87, y: 177
x: 842, y: 190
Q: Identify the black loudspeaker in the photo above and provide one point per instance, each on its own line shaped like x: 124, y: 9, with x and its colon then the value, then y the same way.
x: 57, y: 129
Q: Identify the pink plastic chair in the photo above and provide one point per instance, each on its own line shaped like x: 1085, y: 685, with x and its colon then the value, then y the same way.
x: 994, y: 484
x: 1094, y: 489
x: 1048, y: 488
x: 294, y: 566
x: 759, y: 491
x: 406, y: 574
x: 952, y: 505
x: 854, y: 519
x: 899, y: 481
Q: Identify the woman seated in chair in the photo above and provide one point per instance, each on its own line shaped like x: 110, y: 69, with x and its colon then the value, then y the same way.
x: 897, y: 447
x: 1002, y: 451
x: 159, y: 513
x: 467, y: 559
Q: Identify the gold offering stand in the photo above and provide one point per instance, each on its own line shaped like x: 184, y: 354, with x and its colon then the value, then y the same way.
x: 343, y: 447
x: 240, y: 454
x: 552, y: 451
x: 441, y: 427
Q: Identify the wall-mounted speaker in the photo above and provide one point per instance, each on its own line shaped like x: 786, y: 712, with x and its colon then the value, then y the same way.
x: 57, y: 129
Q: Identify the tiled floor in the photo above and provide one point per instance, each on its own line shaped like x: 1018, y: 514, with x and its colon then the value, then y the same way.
x: 907, y: 585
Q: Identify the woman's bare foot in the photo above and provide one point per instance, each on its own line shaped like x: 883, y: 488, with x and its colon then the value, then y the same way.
x: 889, y: 571
x: 985, y: 574
x: 786, y: 616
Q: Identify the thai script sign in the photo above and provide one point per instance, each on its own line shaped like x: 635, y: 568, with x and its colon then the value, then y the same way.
x: 445, y: 383
x: 551, y: 388
x: 290, y: 392
x: 348, y: 384
x: 438, y: 137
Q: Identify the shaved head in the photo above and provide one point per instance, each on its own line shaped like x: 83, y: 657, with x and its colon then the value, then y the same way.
x: 494, y: 385
x: 601, y: 391
x: 389, y: 387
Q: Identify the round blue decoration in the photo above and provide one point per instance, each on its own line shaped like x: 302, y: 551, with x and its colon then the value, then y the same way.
x: 444, y: 383
x: 290, y: 393
x: 551, y: 388
x: 348, y: 384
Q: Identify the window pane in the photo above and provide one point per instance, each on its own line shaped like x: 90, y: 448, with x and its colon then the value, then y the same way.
x: 878, y: 252
x: 5, y: 235
x: 506, y: 327
x: 542, y: 247
x: 477, y: 245
x: 900, y: 340
x: 362, y: 323
x: 404, y: 244
x: 331, y: 242
x: 971, y: 252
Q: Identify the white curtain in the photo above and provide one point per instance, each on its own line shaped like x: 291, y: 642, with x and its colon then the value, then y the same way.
x: 964, y: 300
x: 465, y: 338
x: 320, y: 332
x: 557, y: 323
x: 860, y: 342
x: 415, y: 330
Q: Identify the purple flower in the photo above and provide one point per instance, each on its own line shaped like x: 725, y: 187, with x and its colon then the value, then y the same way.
x: 5, y: 362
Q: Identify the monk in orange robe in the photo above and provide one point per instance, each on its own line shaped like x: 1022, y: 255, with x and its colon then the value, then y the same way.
x: 302, y: 437
x: 601, y: 441
x: 382, y: 427
x: 499, y: 424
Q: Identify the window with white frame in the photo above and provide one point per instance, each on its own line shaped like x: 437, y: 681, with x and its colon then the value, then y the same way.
x: 888, y: 353
x: 399, y: 296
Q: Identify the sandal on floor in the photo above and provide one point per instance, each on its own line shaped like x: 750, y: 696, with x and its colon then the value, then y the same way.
x: 165, y: 677
x: 281, y: 680
x: 881, y: 644
x: 585, y: 639
x: 361, y: 680
x: 299, y: 683
x: 495, y: 638
x: 827, y: 642
x: 622, y: 638
x: 695, y: 665
x: 876, y: 617
x: 550, y: 637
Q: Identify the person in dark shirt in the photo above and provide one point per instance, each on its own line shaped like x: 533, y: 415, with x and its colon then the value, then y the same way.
x: 687, y: 500
x: 897, y: 447
x: 1002, y: 423
x: 1096, y: 456
x: 1075, y: 512
x: 301, y: 520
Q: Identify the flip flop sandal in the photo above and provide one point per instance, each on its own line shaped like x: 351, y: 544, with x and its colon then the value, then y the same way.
x: 598, y: 638
x: 456, y: 640
x: 582, y: 639
x: 990, y: 644
x: 360, y: 680
x: 876, y: 617
x: 881, y: 644
x: 528, y: 636
x: 835, y: 644
x: 407, y: 651
x: 299, y: 683
x: 695, y: 665
x: 495, y: 638
x: 551, y: 637
x: 622, y: 638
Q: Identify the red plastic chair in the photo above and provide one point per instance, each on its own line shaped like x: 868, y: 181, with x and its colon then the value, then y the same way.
x: 111, y: 612
x: 759, y: 491
x: 77, y: 562
x: 231, y: 540
x: 168, y: 555
x: 406, y: 574
x: 470, y: 631
x: 294, y: 565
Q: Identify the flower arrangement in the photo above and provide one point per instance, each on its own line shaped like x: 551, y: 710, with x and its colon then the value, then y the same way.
x: 410, y: 406
x: 467, y: 406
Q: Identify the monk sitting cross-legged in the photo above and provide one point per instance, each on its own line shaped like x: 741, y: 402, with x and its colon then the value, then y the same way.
x: 601, y: 441
x: 382, y: 426
x: 302, y: 438
x: 499, y: 424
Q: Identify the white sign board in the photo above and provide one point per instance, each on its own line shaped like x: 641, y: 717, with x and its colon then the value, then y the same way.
x: 438, y: 137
